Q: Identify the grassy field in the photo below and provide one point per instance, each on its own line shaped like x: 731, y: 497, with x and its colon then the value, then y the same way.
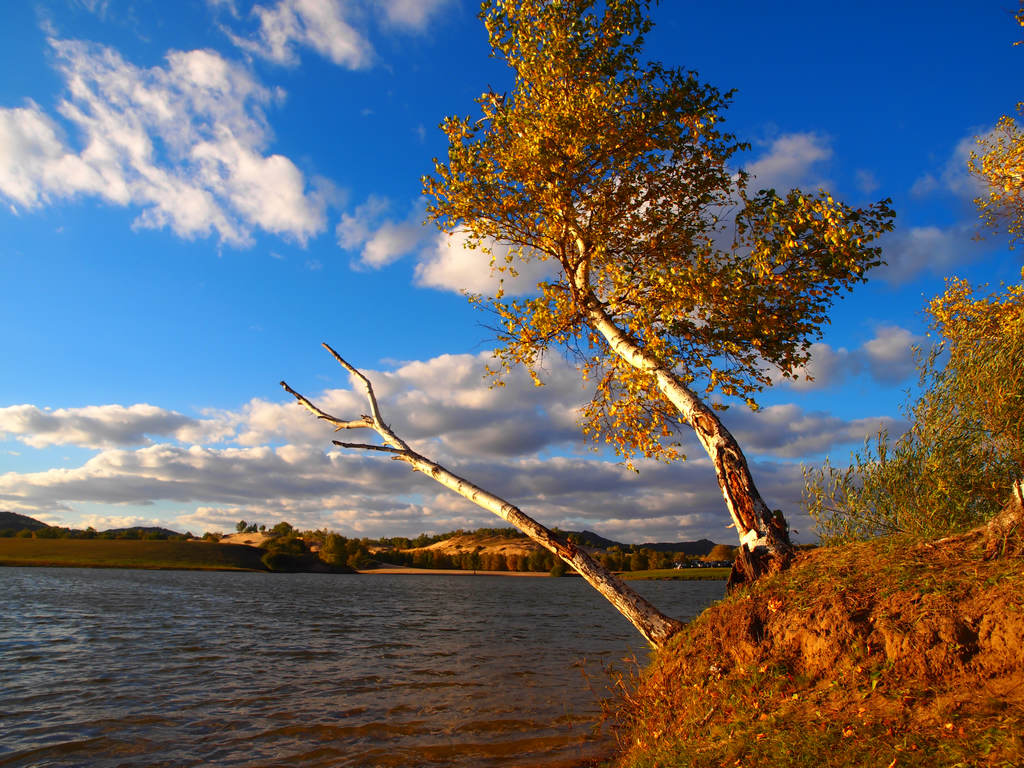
x: 681, y: 574
x: 128, y: 553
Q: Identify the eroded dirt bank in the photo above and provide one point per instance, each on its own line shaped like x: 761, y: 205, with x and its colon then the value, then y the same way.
x: 880, y: 654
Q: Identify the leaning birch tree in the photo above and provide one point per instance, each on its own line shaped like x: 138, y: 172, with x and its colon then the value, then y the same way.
x: 673, y: 285
x: 655, y: 626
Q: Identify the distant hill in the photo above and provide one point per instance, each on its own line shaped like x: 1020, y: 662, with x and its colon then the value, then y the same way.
x: 485, y: 543
x: 594, y: 540
x: 494, y: 542
x: 130, y: 553
x: 12, y: 521
x: 144, y: 529
x: 699, y: 548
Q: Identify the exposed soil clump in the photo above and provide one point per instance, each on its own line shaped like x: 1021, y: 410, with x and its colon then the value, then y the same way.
x: 888, y: 653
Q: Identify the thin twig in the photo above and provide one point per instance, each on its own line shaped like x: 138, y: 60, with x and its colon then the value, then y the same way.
x: 375, y: 416
x: 338, y: 423
x: 370, y: 447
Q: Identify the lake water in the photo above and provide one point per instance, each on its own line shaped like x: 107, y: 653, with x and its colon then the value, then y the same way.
x: 183, y: 668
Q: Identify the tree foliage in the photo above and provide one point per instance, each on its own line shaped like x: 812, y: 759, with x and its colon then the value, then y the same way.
x: 954, y: 467
x: 617, y: 172
x: 1000, y: 165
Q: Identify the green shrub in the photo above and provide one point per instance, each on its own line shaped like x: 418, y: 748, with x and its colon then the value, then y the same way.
x: 954, y: 467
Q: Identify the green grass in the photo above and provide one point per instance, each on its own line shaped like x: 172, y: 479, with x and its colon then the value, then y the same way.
x: 681, y: 574
x: 127, y: 553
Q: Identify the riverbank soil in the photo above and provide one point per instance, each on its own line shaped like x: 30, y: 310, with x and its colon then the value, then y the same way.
x: 888, y: 653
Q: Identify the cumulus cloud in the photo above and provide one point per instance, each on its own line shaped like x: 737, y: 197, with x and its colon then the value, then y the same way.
x: 411, y: 15
x: 369, y: 495
x: 791, y: 160
x: 97, y: 426
x: 866, y: 180
x: 954, y: 177
x: 334, y: 29
x: 887, y: 357
x: 889, y: 354
x: 185, y: 142
x: 827, y: 367
x: 445, y: 400
x: 381, y: 240
x: 322, y: 25
x: 936, y: 250
x: 34, y: 162
x: 790, y: 432
x: 269, y: 461
x: 451, y: 265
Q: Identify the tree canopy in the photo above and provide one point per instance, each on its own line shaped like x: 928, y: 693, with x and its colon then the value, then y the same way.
x: 618, y: 173
x: 668, y: 275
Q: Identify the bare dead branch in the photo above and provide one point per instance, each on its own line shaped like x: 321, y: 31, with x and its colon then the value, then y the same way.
x: 377, y: 421
x: 370, y: 447
x: 652, y: 624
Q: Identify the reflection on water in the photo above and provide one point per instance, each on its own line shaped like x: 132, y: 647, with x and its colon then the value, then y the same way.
x: 175, y: 668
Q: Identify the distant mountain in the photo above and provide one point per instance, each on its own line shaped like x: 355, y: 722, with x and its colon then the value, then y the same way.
x: 594, y: 540
x: 699, y: 548
x: 143, y: 529
x: 488, y: 540
x: 12, y: 521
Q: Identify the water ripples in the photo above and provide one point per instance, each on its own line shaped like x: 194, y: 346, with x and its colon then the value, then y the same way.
x: 120, y: 668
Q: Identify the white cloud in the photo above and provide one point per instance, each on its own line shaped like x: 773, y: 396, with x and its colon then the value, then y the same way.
x: 98, y: 7
x: 445, y: 400
x: 369, y: 495
x: 451, y: 265
x: 356, y: 228
x: 34, y: 162
x: 790, y: 432
x: 867, y: 182
x: 954, y: 177
x: 937, y: 250
x: 185, y: 142
x: 887, y: 357
x: 391, y: 241
x: 412, y: 15
x: 274, y: 460
x: 334, y: 29
x: 826, y: 368
x: 791, y: 161
x: 381, y: 241
x: 323, y: 25
x: 96, y: 426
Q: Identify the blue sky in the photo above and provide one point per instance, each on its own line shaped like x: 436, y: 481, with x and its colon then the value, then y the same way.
x: 193, y: 197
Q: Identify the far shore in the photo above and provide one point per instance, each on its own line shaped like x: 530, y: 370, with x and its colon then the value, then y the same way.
x: 665, y: 574
x: 399, y: 570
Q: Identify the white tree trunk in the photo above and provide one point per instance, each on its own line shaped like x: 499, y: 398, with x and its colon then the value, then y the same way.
x: 652, y: 624
x: 764, y: 539
x: 655, y: 626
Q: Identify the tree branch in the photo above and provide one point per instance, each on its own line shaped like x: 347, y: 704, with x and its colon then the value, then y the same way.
x: 652, y: 624
x: 370, y: 447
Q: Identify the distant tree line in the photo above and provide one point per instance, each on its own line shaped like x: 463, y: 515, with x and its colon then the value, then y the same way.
x: 58, y: 532
x: 615, y: 558
x: 289, y: 549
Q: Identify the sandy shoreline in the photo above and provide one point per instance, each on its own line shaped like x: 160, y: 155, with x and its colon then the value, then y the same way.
x: 444, y: 572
